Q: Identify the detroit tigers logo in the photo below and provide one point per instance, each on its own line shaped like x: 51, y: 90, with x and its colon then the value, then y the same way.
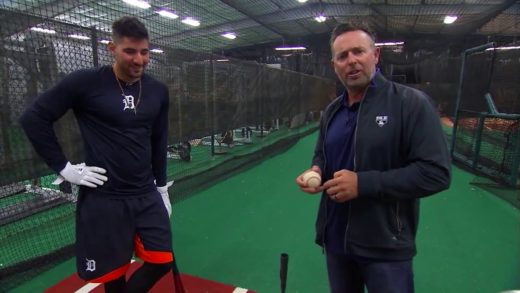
x: 381, y: 120
x: 128, y: 101
x: 91, y: 265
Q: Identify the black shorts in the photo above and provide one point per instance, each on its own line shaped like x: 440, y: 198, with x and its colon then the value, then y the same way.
x: 109, y: 231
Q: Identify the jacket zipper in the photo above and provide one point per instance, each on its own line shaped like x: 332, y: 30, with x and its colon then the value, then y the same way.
x: 355, y: 169
x: 398, y: 220
x: 325, y: 167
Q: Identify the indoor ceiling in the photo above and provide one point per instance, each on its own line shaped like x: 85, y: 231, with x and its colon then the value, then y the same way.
x: 272, y: 21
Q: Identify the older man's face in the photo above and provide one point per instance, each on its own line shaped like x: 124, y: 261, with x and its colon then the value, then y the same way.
x: 354, y: 58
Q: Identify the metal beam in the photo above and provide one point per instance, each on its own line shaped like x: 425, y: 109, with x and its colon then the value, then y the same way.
x: 490, y: 15
x: 377, y: 25
x: 267, y: 26
x: 416, y: 18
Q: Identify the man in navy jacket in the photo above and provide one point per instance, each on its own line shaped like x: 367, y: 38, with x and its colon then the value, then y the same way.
x: 380, y: 148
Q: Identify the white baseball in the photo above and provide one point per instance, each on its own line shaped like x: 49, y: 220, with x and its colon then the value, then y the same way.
x: 312, y: 178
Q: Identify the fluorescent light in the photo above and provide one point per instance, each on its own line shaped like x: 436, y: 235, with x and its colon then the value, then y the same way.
x: 94, y: 15
x: 138, y: 3
x: 449, y: 19
x: 104, y: 42
x: 190, y: 21
x: 79, y: 37
x: 167, y: 14
x: 222, y: 60
x: 230, y: 36
x: 43, y: 30
x: 389, y: 44
x: 302, y: 1
x: 504, y: 48
x: 320, y: 18
x: 156, y: 50
x: 289, y: 48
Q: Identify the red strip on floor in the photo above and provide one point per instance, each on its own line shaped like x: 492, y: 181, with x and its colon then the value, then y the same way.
x: 192, y: 284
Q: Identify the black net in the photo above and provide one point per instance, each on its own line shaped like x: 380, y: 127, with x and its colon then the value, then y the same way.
x: 437, y: 72
x: 225, y: 115
x: 476, y: 80
x: 486, y: 138
x: 489, y: 144
x: 434, y: 72
x: 505, y: 81
x: 487, y: 133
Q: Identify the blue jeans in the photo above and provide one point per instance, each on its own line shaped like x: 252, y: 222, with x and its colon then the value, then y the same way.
x: 350, y: 274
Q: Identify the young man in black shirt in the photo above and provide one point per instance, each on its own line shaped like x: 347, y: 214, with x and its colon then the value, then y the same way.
x: 123, y: 205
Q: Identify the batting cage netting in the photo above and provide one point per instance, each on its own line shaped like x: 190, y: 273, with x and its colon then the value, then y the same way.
x: 486, y: 134
x: 225, y: 115
x: 486, y: 124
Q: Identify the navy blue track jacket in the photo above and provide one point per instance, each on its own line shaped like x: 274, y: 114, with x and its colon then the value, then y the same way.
x: 400, y: 156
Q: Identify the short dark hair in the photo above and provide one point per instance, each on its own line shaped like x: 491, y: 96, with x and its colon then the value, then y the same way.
x: 350, y: 27
x: 130, y: 27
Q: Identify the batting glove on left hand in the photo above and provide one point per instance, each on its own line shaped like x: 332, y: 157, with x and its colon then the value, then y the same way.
x: 163, y: 190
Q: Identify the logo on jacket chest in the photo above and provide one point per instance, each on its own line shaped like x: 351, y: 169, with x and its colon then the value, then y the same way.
x: 381, y: 120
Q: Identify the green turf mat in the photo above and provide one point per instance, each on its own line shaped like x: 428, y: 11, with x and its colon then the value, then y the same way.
x: 234, y: 232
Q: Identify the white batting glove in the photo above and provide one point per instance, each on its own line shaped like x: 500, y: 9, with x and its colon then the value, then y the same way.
x: 163, y: 190
x: 82, y: 175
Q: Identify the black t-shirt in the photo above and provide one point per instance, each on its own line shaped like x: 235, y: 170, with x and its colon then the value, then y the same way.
x: 124, y: 131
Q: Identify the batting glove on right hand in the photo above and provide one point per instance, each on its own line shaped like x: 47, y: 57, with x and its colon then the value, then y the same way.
x: 80, y: 174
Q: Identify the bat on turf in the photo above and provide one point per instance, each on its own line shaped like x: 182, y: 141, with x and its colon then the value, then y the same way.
x: 177, y: 281
x: 284, y: 260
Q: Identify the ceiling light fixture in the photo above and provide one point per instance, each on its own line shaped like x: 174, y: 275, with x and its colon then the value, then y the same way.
x: 302, y: 1
x: 79, y: 37
x: 222, y: 60
x: 105, y: 28
x: 449, y: 19
x: 230, y: 36
x: 167, y: 14
x: 191, y: 21
x: 138, y: 3
x: 104, y: 42
x: 298, y: 48
x: 42, y: 30
x: 320, y: 18
x: 389, y: 44
x: 157, y: 51
x: 504, y: 48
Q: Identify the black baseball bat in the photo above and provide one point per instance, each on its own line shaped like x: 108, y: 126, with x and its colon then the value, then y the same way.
x: 284, y: 260
x: 177, y: 281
